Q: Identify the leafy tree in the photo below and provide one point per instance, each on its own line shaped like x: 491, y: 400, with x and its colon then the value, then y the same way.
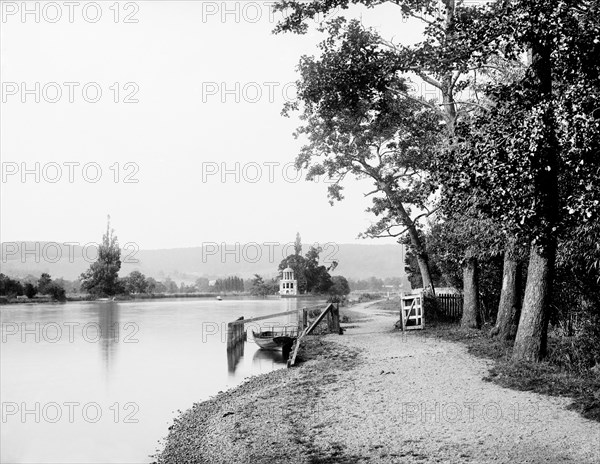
x: 298, y: 245
x: 56, y: 291
x: 170, y: 286
x: 318, y: 279
x: 202, y: 284
x: 541, y: 135
x: 311, y: 276
x: 261, y: 288
x: 414, y: 275
x: 457, y: 44
x: 151, y: 285
x: 159, y: 286
x: 30, y: 279
x: 68, y: 285
x: 258, y: 286
x: 578, y: 280
x: 339, y: 286
x: 43, y: 283
x: 30, y: 290
x: 272, y: 286
x: 102, y: 277
x: 533, y: 150
x: 359, y: 122
x: 230, y: 284
x: 136, y: 283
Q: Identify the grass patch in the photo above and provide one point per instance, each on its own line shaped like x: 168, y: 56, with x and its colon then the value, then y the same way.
x: 546, y: 378
x: 391, y: 305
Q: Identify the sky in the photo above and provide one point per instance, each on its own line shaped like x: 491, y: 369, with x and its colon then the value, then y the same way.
x: 165, y: 115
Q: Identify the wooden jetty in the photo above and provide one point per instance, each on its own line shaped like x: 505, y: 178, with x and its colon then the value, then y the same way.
x: 236, y: 332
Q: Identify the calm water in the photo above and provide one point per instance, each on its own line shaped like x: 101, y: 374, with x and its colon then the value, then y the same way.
x: 101, y: 382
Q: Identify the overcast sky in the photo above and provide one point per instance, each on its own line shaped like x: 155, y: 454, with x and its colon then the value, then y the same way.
x: 181, y: 67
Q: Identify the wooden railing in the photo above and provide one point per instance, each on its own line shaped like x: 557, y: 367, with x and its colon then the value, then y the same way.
x: 333, y: 314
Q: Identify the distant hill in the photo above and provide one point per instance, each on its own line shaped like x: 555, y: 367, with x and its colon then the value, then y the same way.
x: 187, y: 264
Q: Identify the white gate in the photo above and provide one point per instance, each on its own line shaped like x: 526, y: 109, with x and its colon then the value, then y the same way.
x: 411, y: 311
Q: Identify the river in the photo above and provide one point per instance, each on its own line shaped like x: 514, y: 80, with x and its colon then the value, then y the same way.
x: 100, y: 382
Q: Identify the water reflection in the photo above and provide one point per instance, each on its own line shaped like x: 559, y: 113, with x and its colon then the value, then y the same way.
x: 109, y: 332
x: 272, y: 356
x: 234, y: 355
x: 261, y: 358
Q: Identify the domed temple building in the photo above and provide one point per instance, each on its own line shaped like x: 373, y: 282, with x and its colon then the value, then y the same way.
x: 288, y: 286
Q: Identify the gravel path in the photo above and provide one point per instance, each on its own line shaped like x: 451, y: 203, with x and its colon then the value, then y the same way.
x: 416, y: 399
x: 376, y: 395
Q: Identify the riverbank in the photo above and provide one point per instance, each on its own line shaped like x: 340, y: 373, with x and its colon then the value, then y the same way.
x: 149, y: 296
x: 377, y: 395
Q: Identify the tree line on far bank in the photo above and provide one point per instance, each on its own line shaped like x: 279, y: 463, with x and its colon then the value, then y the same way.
x: 102, y: 279
x: 30, y: 287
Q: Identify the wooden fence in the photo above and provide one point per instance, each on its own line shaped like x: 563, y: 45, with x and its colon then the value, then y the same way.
x: 332, y: 311
x: 451, y: 305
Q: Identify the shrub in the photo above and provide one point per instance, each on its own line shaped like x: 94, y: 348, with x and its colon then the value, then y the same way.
x: 30, y: 290
x: 56, y: 291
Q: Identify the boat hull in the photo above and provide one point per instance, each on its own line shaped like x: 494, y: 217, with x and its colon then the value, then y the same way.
x: 272, y: 341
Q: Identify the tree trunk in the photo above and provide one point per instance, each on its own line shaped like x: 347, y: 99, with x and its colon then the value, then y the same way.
x: 531, y: 339
x: 530, y: 343
x: 425, y: 274
x: 509, y: 309
x: 416, y: 243
x: 471, y: 319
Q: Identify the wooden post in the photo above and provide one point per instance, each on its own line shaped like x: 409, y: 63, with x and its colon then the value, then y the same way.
x: 304, y: 318
x: 230, y: 335
x: 335, y: 319
x: 235, y: 333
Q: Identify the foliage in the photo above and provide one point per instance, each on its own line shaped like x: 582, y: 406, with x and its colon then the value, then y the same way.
x: 318, y: 279
x: 298, y: 245
x: 261, y: 288
x: 102, y: 277
x: 56, y: 291
x: 579, y: 352
x: 447, y: 242
x: 359, y: 121
x: 151, y: 285
x: 30, y: 290
x: 340, y: 286
x: 10, y: 287
x: 43, y: 283
x: 135, y: 282
x: 312, y: 277
x: 229, y: 284
x: 202, y: 284
x: 170, y: 286
x: 54, y: 288
x: 577, y: 281
x: 439, y: 277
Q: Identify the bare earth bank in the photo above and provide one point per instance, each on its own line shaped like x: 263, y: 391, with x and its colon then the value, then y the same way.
x: 375, y: 395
